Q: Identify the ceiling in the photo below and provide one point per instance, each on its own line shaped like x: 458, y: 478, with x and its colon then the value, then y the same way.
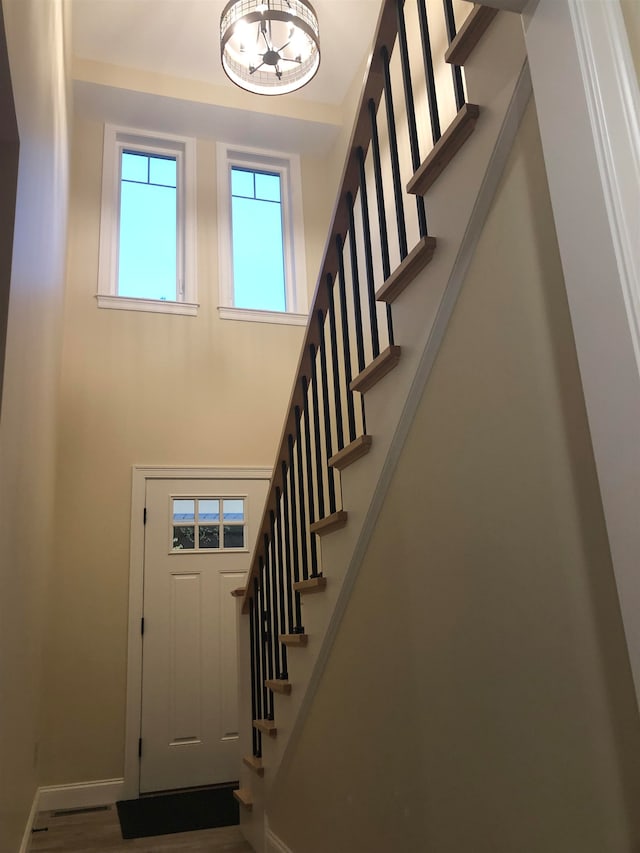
x: 180, y: 39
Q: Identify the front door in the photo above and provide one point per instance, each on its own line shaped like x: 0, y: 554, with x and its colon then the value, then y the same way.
x: 197, y: 539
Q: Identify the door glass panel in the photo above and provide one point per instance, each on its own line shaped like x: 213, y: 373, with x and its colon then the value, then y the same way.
x: 233, y: 510
x: 184, y: 510
x: 183, y: 538
x: 209, y: 536
x: 208, y: 510
x: 233, y: 535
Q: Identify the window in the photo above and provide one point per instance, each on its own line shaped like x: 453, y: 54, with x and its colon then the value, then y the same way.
x: 147, y: 230
x: 197, y: 524
x: 261, y: 237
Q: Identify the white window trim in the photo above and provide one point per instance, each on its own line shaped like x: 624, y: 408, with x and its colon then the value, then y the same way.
x: 184, y: 149
x: 296, y: 295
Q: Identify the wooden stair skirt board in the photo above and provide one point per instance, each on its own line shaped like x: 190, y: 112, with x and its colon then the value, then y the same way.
x: 300, y: 640
x: 243, y: 796
x: 379, y: 367
x: 329, y: 523
x: 408, y: 269
x: 310, y: 586
x: 445, y: 150
x: 278, y: 686
x: 349, y: 454
x: 469, y: 34
x: 267, y: 727
x: 254, y: 763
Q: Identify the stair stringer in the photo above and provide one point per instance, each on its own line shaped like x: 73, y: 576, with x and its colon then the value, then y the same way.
x: 498, y: 81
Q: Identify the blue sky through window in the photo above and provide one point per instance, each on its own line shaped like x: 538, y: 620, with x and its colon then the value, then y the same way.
x: 258, y: 250
x: 148, y: 218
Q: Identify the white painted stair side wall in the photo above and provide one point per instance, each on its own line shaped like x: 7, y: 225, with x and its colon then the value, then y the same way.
x: 457, y: 205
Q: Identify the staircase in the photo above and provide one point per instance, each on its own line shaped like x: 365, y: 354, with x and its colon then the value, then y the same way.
x: 406, y: 222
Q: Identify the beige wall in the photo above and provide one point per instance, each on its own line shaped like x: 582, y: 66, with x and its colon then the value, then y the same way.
x: 145, y: 389
x: 29, y: 406
x: 478, y: 696
x: 631, y: 12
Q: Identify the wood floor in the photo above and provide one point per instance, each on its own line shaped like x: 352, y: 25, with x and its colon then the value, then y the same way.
x: 99, y: 832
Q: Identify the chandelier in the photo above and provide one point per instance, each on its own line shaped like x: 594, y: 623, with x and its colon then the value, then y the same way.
x: 270, y: 47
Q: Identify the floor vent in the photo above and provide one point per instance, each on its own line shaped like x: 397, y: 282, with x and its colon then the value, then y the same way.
x: 85, y: 810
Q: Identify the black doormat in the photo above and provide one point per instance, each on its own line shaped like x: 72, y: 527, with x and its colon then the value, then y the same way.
x: 163, y: 814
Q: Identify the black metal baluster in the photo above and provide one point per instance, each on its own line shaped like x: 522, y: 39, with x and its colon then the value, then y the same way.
x: 275, y: 616
x: 309, y: 470
x: 294, y: 540
x: 286, y: 506
x: 456, y: 71
x: 317, y: 439
x: 331, y: 486
x: 337, y: 396
x: 267, y: 659
x: 254, y: 714
x: 258, y: 683
x: 351, y: 415
x: 382, y: 216
x: 427, y: 56
x: 393, y: 150
x: 303, y: 522
x: 411, y: 111
x: 368, y: 255
x: 279, y: 571
x: 355, y: 284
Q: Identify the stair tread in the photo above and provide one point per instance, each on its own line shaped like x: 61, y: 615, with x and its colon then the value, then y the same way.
x: 267, y: 727
x: 444, y: 150
x: 379, y: 367
x: 239, y: 592
x: 311, y: 585
x: 469, y: 34
x: 254, y: 763
x: 329, y: 523
x: 243, y: 796
x: 278, y: 685
x: 407, y: 270
x: 348, y: 455
x: 294, y: 639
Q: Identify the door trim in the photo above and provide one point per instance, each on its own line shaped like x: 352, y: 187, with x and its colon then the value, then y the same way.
x: 140, y: 475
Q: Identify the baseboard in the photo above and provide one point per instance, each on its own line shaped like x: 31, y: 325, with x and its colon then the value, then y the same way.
x: 274, y: 844
x: 35, y: 808
x: 81, y: 795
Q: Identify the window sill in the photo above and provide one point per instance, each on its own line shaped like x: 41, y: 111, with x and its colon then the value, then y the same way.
x: 252, y: 315
x: 158, y: 306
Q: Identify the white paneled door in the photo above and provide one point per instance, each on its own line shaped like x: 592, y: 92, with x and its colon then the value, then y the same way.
x: 198, y: 536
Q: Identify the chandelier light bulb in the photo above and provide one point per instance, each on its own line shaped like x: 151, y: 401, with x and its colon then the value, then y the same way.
x: 269, y: 47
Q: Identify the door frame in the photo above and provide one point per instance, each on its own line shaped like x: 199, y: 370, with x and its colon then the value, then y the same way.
x: 140, y: 475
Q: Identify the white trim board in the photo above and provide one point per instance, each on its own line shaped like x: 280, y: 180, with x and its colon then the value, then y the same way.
x: 26, y: 838
x: 102, y: 792
x: 591, y: 142
x: 140, y: 475
x: 275, y: 844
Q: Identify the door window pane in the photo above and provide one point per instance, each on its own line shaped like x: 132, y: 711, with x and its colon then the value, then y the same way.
x: 183, y: 538
x: 208, y: 510
x: 183, y: 510
x: 234, y: 536
x: 209, y: 537
x: 233, y: 510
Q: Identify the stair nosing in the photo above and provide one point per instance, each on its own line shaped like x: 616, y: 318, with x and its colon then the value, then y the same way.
x: 379, y: 367
x: 358, y: 448
x: 310, y: 585
x: 407, y: 270
x: 469, y: 34
x: 444, y: 150
x: 335, y: 521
